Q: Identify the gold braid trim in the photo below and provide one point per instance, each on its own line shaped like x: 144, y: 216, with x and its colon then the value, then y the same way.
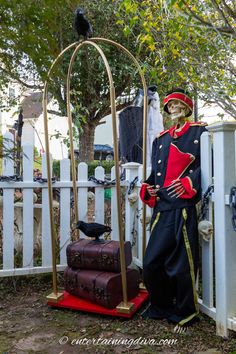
x: 155, y: 221
x: 191, y: 265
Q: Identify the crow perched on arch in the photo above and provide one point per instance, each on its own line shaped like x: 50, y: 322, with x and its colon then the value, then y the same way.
x: 82, y: 25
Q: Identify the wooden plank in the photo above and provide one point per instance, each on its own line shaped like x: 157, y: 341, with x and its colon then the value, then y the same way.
x: 207, y: 247
x: 225, y: 240
x: 99, y: 196
x: 61, y: 184
x: 46, y: 229
x: 28, y: 210
x: 131, y: 171
x: 8, y: 209
x: 114, y: 211
x: 140, y: 225
x: 83, y: 194
x: 64, y: 210
x: 29, y: 271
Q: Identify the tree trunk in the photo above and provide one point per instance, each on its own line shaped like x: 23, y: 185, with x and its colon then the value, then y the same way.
x: 86, y: 143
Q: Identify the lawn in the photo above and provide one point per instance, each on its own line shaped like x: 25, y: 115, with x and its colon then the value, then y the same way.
x: 28, y: 325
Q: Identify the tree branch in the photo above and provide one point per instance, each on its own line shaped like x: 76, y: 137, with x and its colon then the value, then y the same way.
x: 228, y: 9
x: 16, y: 78
x: 226, y: 30
x: 220, y: 12
x: 56, y: 113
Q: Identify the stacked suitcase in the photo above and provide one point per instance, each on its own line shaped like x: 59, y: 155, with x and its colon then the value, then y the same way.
x: 94, y: 273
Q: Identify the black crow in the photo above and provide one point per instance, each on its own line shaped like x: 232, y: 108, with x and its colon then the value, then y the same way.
x: 82, y: 25
x: 92, y: 229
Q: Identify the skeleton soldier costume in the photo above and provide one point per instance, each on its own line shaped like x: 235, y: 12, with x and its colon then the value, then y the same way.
x: 173, y: 189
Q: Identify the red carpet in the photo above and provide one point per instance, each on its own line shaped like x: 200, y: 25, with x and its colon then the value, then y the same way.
x: 75, y: 303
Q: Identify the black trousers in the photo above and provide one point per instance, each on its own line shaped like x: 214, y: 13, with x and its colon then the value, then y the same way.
x: 170, y: 265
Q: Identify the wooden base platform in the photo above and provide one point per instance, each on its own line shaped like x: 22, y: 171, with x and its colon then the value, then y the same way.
x: 76, y: 303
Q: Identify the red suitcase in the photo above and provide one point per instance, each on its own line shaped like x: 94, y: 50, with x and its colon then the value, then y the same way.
x: 103, y: 288
x: 97, y: 255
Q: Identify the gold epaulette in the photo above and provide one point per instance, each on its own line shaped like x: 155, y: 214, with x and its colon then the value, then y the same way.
x: 202, y: 124
x: 162, y: 133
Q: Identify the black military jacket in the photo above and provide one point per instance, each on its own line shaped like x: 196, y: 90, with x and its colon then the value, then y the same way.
x: 175, y: 155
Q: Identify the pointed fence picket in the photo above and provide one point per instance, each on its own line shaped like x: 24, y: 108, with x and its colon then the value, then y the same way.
x: 46, y: 229
x: 114, y: 215
x: 28, y: 207
x: 65, y: 207
x: 8, y: 210
x: 83, y: 193
x: 99, y: 196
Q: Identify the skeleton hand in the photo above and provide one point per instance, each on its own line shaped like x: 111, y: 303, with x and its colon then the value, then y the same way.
x: 176, y: 189
x: 153, y: 191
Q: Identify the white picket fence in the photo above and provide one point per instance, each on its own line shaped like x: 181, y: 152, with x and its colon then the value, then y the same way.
x: 218, y: 278
x: 26, y: 211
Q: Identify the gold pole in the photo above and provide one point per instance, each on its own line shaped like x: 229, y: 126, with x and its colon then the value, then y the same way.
x: 55, y: 296
x: 69, y: 118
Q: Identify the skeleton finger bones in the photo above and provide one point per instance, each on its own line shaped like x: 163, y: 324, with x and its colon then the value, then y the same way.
x: 175, y: 190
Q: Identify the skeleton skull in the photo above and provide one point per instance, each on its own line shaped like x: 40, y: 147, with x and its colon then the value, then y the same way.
x: 132, y: 197
x: 205, y: 229
x: 177, y: 109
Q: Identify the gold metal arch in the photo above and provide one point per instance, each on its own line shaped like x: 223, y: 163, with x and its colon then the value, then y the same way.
x: 55, y: 296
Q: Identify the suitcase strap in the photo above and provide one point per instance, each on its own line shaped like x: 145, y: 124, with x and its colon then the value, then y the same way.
x: 105, y: 259
x: 99, y: 293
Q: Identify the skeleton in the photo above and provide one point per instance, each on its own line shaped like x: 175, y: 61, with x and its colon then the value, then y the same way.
x: 177, y: 109
x: 205, y: 229
x: 132, y: 198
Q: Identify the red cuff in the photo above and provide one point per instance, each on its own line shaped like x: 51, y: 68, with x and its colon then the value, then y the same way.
x: 190, y: 192
x: 146, y: 197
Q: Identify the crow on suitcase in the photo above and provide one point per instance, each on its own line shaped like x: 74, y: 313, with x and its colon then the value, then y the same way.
x: 92, y: 229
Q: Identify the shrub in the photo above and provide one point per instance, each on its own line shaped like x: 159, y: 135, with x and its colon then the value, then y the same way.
x: 107, y: 165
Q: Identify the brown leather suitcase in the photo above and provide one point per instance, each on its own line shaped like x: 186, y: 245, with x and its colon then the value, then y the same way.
x: 103, y: 288
x: 97, y: 255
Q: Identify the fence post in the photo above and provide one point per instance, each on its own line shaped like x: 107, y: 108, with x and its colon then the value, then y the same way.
x: 8, y: 209
x: 99, y: 196
x: 114, y: 214
x: 207, y: 247
x: 225, y: 237
x: 83, y: 194
x: 65, y: 210
x: 28, y: 207
x: 46, y: 227
x: 131, y: 171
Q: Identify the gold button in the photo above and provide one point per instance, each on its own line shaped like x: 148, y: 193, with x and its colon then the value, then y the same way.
x: 159, y: 174
x: 160, y: 146
x: 195, y: 141
x: 159, y: 161
x: 190, y: 171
